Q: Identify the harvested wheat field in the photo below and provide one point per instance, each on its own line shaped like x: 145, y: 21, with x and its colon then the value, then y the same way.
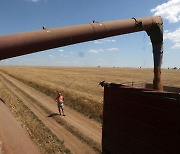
x: 31, y: 90
x: 80, y: 85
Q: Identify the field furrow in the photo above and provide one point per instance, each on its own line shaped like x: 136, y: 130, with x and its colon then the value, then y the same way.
x: 87, y: 127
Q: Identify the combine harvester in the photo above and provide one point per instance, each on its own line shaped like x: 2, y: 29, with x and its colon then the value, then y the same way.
x: 135, y: 120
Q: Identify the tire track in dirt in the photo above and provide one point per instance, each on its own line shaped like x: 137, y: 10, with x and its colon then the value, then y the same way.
x: 70, y: 141
x: 88, y: 127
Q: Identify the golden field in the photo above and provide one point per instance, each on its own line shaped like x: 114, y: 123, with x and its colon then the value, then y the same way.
x: 42, y: 136
x: 80, y: 84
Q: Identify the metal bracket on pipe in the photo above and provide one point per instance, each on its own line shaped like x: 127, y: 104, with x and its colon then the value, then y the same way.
x: 138, y: 23
x: 94, y: 21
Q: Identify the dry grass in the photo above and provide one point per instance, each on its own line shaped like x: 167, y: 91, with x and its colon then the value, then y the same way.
x: 38, y: 132
x: 80, y: 85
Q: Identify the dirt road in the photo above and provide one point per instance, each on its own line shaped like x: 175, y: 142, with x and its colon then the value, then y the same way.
x: 86, y: 126
x: 13, y: 138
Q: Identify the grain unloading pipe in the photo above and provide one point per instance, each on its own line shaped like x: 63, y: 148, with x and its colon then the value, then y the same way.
x: 156, y: 36
x: 29, y: 42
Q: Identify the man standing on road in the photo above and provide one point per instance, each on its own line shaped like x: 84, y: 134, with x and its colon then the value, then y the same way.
x: 60, y: 100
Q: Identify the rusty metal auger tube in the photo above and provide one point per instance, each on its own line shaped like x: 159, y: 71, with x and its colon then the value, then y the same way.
x: 29, y: 42
x: 156, y: 36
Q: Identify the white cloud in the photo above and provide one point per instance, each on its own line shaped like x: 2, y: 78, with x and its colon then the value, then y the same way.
x: 96, y: 50
x: 113, y: 49
x: 102, y: 41
x: 63, y: 55
x: 5, y: 62
x: 169, y: 10
x: 51, y: 56
x: 101, y: 50
x: 93, y: 51
x: 174, y: 37
x: 98, y: 42
x: 33, y: 0
x: 61, y: 50
x: 108, y: 40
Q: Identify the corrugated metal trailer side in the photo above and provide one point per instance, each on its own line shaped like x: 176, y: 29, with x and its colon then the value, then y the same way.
x: 140, y: 121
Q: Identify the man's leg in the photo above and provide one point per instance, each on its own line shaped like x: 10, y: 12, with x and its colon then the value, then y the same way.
x: 62, y: 111
x: 59, y: 110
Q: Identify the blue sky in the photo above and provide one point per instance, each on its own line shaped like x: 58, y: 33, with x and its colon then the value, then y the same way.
x: 130, y: 50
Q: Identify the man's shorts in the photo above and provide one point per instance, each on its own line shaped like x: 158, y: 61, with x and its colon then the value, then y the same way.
x: 60, y: 105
